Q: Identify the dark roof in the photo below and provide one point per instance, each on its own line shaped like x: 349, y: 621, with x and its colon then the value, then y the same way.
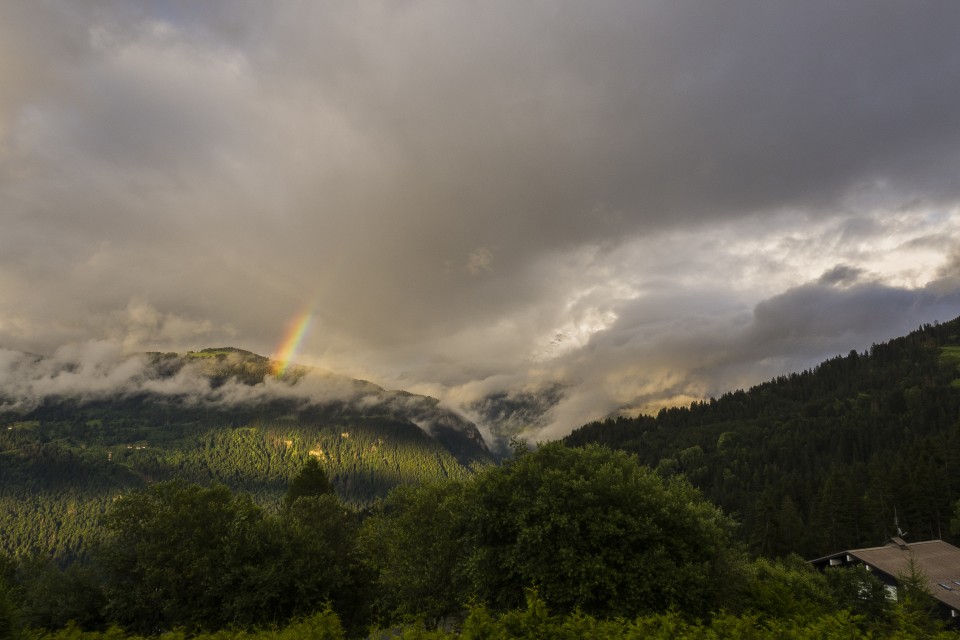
x: 938, y: 561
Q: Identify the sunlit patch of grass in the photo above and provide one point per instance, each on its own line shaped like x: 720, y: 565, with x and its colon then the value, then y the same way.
x: 950, y: 355
x: 25, y: 425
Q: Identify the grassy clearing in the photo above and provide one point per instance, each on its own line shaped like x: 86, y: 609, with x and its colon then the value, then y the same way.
x: 950, y: 355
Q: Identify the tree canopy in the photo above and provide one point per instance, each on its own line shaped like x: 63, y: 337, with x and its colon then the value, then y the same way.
x: 595, y: 531
x: 556, y: 542
x: 589, y: 528
x: 310, y: 481
x: 180, y: 555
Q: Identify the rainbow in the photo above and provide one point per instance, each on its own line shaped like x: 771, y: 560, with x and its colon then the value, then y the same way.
x: 295, y: 334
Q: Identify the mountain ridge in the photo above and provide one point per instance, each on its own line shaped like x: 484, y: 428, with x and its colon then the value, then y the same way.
x: 256, y: 381
x: 76, y: 432
x: 821, y: 460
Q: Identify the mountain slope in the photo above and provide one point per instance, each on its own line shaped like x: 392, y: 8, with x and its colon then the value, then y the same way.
x: 76, y: 433
x: 825, y: 459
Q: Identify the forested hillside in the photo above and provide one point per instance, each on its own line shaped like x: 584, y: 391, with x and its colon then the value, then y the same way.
x: 216, y: 496
x: 825, y: 459
x: 66, y: 457
x: 560, y: 542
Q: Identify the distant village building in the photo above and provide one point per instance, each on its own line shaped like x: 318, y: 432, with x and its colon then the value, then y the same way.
x: 937, y: 561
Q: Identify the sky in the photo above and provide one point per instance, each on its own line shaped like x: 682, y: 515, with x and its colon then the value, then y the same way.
x: 623, y: 205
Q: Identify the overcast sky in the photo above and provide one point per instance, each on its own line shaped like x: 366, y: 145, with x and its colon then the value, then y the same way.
x: 640, y: 202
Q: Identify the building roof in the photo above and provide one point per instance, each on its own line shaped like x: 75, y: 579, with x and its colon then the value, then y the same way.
x: 938, y: 562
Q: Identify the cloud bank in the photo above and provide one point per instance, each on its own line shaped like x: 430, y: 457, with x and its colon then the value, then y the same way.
x: 639, y: 203
x: 101, y: 370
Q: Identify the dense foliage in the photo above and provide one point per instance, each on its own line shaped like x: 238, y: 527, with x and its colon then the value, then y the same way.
x: 597, y: 532
x: 591, y: 529
x: 821, y: 460
x: 535, y: 621
x: 558, y: 542
x: 180, y: 555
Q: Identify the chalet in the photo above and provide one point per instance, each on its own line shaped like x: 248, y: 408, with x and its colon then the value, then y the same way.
x: 937, y: 561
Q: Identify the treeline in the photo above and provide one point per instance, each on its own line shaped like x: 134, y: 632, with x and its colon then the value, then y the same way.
x: 61, y: 468
x: 559, y: 542
x: 535, y: 622
x: 821, y: 460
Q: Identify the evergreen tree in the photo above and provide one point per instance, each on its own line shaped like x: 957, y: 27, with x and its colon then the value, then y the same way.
x: 310, y: 481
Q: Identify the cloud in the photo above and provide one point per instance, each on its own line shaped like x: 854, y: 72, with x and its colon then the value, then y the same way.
x: 101, y: 370
x: 728, y: 316
x: 840, y: 275
x: 697, y: 357
x: 83, y: 371
x: 536, y: 193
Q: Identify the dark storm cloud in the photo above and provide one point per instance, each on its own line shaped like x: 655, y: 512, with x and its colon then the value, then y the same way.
x: 464, y: 192
x: 805, y: 323
x: 840, y: 274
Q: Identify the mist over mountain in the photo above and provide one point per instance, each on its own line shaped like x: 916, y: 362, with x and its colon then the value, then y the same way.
x: 515, y: 414
x: 226, y: 380
x: 89, y: 423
